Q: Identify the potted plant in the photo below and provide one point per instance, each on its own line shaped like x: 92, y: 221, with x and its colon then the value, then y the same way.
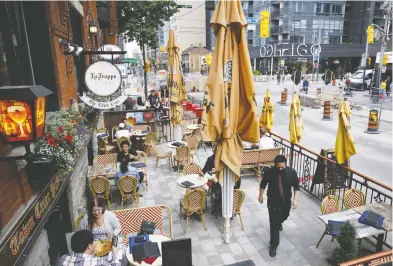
x: 348, y: 248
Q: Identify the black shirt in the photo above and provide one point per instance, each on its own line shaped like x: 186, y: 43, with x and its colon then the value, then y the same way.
x: 121, y: 156
x: 209, y: 165
x: 289, y: 179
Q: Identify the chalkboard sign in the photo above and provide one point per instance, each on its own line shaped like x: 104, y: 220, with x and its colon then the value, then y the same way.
x: 327, y: 174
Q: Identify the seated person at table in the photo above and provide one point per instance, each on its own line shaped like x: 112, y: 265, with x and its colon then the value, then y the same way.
x: 103, y: 224
x: 123, y: 132
x: 127, y: 125
x: 82, y: 247
x: 127, y: 170
x: 126, y: 156
x: 265, y: 142
x: 140, y: 105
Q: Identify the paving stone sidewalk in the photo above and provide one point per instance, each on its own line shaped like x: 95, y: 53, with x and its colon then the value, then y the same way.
x: 301, y: 231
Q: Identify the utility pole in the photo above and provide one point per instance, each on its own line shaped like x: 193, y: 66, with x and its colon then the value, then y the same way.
x: 314, y: 41
x: 364, y: 61
x: 384, y: 33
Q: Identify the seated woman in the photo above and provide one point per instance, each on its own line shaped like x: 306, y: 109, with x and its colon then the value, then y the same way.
x: 103, y: 224
x: 124, y: 157
x: 127, y: 170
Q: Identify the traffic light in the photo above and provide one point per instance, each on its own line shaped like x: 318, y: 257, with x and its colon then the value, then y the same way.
x: 385, y: 59
x: 147, y: 66
x: 264, y: 24
x: 209, y: 59
x: 369, y: 61
x: 370, y: 34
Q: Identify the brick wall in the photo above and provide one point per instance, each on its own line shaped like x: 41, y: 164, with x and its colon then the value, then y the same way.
x: 60, y: 28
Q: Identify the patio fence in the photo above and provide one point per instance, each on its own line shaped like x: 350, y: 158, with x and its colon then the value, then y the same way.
x: 321, y: 176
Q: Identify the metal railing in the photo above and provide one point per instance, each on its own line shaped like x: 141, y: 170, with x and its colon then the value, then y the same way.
x: 321, y: 176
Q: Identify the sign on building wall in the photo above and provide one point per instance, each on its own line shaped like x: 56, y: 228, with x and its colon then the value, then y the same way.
x: 109, y: 48
x: 103, y: 79
x: 274, y: 50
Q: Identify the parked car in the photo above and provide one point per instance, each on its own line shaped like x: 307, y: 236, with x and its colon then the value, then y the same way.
x: 357, y: 79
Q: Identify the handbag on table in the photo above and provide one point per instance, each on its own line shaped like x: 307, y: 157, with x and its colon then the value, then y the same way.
x: 372, y: 219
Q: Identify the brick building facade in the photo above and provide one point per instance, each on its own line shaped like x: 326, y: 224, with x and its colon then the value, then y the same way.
x: 31, y: 53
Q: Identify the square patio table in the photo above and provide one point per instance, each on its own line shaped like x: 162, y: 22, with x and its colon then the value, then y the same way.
x: 362, y: 230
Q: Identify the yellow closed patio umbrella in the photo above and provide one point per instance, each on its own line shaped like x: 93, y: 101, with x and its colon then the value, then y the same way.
x: 345, y: 144
x: 231, y: 112
x: 177, y: 91
x: 266, y: 119
x: 295, y: 120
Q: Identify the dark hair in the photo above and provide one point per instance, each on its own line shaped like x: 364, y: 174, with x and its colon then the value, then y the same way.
x: 280, y: 159
x: 139, y: 101
x: 95, y: 202
x: 81, y: 240
x: 124, y: 142
x: 124, y: 166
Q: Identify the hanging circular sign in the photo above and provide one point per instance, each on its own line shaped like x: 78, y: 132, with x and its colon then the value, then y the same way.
x: 102, y: 78
x: 109, y: 48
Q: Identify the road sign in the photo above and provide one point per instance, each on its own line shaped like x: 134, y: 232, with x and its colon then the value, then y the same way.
x: 327, y: 77
x: 316, y: 65
x: 390, y: 57
x: 383, y: 69
x: 296, y: 77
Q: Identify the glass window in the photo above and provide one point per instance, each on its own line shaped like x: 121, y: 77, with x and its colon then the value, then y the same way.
x: 326, y: 9
x: 318, y: 8
x: 4, y: 75
x: 296, y: 24
x: 334, y: 39
x: 337, y: 9
x: 303, y: 24
x: 315, y: 24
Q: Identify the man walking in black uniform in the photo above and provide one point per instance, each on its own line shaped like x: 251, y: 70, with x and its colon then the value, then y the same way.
x: 281, y: 178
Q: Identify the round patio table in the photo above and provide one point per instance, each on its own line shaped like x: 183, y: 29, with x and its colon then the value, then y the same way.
x: 199, y: 181
x: 158, y: 262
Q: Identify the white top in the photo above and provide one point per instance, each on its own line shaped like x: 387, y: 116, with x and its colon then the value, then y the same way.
x: 158, y: 262
x: 266, y: 143
x: 199, y: 181
x: 123, y: 133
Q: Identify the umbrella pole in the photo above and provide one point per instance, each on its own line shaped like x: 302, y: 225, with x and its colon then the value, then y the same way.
x: 227, y: 202
x: 178, y: 133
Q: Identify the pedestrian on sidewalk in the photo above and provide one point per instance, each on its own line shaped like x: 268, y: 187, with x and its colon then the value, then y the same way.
x: 278, y: 79
x: 383, y: 89
x: 281, y: 179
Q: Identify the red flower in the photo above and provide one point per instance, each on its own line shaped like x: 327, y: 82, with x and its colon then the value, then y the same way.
x: 60, y: 129
x: 68, y: 138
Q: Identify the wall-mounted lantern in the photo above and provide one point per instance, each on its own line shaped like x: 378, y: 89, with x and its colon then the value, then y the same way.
x: 22, y: 113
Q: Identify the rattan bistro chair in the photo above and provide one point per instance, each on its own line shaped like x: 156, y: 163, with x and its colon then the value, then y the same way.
x: 128, y: 189
x: 100, y: 188
x: 162, y: 155
x: 328, y: 205
x: 103, y: 147
x: 353, y: 198
x: 192, y: 168
x: 150, y: 140
x: 182, y: 155
x: 238, y: 199
x: 193, y: 143
x: 193, y: 202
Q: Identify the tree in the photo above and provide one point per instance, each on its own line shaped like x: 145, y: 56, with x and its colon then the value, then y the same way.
x: 139, y: 21
x: 348, y: 249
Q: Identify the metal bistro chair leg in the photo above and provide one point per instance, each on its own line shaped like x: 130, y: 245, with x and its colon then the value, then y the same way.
x: 324, y: 233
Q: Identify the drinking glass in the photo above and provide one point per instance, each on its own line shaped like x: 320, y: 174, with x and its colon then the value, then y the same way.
x: 18, y: 114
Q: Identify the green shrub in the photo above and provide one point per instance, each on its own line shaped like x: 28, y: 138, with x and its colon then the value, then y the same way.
x: 348, y: 248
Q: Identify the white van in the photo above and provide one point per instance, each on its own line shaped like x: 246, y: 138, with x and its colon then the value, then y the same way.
x: 357, y: 79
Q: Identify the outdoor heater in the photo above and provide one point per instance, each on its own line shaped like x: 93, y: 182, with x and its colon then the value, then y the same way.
x: 22, y: 114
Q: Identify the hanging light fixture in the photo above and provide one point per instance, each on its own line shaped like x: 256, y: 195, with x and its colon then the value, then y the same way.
x: 93, y: 28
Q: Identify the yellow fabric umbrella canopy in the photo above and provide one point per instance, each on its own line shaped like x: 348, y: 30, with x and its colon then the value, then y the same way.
x: 177, y: 91
x: 266, y: 119
x: 231, y: 113
x: 345, y: 144
x: 295, y: 120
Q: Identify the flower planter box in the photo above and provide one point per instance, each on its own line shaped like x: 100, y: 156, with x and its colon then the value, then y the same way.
x: 41, y: 171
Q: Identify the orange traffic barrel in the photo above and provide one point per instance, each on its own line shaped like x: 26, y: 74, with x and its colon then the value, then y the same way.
x: 326, y: 111
x: 372, y: 127
x: 284, y: 98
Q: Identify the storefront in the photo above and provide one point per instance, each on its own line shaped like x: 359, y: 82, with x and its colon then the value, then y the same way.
x: 339, y: 58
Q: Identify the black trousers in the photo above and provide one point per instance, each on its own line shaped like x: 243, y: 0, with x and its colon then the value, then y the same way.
x: 277, y: 215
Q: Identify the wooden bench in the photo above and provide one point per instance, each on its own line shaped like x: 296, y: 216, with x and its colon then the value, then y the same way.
x: 256, y: 159
x: 131, y: 220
